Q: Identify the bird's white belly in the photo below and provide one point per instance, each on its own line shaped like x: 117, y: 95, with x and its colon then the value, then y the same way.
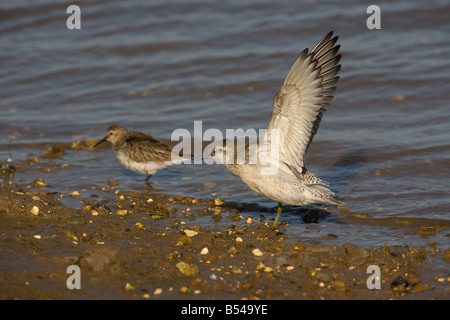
x: 148, y: 168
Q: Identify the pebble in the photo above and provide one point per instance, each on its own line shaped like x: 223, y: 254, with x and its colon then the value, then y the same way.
x: 184, y: 289
x: 290, y: 268
x: 188, y: 269
x: 204, y: 251
x: 140, y: 226
x: 36, y: 236
x: 184, y: 240
x: 268, y: 269
x: 239, y: 239
x: 35, y: 211
x: 256, y: 252
x: 157, y: 291
x: 129, y: 287
x: 190, y: 233
x: 218, y: 202
x: 249, y: 220
x: 122, y: 212
x: 399, y: 282
x: 339, y: 283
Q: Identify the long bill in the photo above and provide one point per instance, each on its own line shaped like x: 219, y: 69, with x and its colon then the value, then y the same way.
x: 100, y: 142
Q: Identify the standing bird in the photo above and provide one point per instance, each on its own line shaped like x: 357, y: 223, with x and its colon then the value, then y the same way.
x: 137, y: 151
x: 297, y: 111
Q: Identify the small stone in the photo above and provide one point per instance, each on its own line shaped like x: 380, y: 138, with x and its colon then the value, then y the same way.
x: 157, y: 291
x: 233, y: 250
x: 129, y: 287
x: 218, y: 202
x: 122, y: 212
x: 268, y: 269
x: 94, y: 213
x: 235, y: 270
x: 184, y: 240
x: 74, y: 194
x: 204, y: 251
x: 36, y: 236
x: 338, y: 283
x: 112, y: 183
x: 140, y: 226
x: 162, y: 208
x: 249, y: 220
x: 190, y: 233
x: 35, y: 211
x: 187, y: 269
x: 39, y: 182
x: 426, y: 232
x: 121, y: 198
x: 239, y: 239
x: 256, y: 252
x: 290, y: 268
x: 184, y: 289
x: 399, y: 282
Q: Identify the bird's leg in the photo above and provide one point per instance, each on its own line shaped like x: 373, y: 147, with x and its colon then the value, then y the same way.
x: 148, y: 177
x: 280, y: 207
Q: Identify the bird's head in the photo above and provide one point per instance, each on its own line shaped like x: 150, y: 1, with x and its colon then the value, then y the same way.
x: 113, y: 134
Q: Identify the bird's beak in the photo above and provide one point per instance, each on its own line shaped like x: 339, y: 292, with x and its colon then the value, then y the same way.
x: 100, y: 142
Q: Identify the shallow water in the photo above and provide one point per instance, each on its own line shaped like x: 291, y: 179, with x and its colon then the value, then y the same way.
x: 383, y: 145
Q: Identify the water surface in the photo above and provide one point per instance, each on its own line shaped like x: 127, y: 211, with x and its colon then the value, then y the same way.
x: 383, y: 145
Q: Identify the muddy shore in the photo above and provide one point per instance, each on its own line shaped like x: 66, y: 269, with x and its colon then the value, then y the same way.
x: 141, y: 244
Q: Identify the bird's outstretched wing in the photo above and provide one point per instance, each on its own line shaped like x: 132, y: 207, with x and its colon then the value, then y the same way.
x: 303, y: 98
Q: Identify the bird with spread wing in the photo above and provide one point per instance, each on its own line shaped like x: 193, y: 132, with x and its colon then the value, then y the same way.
x: 279, y: 172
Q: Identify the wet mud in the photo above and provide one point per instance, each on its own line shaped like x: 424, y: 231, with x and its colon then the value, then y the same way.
x: 143, y: 244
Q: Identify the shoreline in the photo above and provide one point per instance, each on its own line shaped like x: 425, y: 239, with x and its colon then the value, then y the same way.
x: 129, y: 247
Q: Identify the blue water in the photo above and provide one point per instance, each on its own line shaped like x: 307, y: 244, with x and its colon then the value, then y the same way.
x: 383, y: 145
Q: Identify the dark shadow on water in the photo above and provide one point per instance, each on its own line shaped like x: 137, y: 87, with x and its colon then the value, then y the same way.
x: 305, y: 214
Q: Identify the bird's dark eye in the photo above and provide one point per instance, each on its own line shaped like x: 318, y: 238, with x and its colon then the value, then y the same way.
x: 213, y: 153
x: 110, y: 133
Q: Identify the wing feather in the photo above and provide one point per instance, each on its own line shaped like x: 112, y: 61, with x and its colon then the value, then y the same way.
x: 144, y: 148
x: 302, y: 100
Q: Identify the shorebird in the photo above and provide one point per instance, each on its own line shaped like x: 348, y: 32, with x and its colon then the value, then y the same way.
x: 297, y: 111
x: 138, y: 151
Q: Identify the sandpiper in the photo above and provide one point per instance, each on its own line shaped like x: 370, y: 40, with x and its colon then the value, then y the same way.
x: 297, y: 112
x: 138, y: 151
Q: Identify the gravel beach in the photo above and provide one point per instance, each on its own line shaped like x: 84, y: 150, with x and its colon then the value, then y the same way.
x: 142, y: 244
